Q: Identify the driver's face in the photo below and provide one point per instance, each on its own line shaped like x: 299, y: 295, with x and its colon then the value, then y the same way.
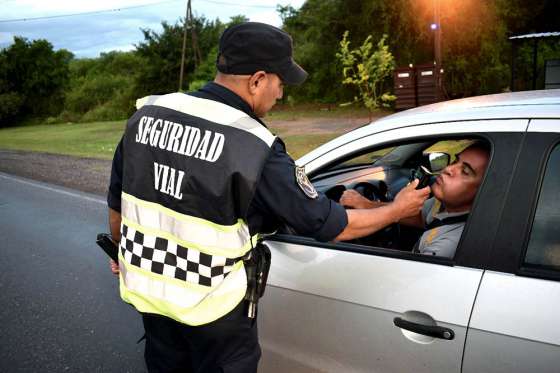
x: 457, y: 185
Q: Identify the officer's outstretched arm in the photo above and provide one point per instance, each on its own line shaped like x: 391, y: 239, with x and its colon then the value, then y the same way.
x: 364, y: 222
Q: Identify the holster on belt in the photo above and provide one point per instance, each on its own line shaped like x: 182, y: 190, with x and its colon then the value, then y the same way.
x: 257, y: 265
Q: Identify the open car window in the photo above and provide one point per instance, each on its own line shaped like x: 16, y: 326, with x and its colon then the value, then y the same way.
x: 380, y: 173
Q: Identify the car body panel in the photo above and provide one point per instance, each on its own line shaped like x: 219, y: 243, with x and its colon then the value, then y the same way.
x: 357, y: 297
x: 514, y: 326
x: 544, y: 125
x: 307, y: 333
x: 504, y: 301
x: 514, y: 355
x: 371, y: 280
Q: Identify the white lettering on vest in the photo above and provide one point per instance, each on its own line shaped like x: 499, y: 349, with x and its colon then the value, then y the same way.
x: 140, y: 125
x: 194, y: 138
x: 148, y: 123
x: 164, y: 134
x: 180, y: 139
x: 186, y: 135
x: 154, y: 134
x: 216, y: 148
x: 166, y: 182
x: 176, y: 132
x: 203, y: 148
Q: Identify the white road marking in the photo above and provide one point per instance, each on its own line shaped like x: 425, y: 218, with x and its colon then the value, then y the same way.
x: 52, y: 189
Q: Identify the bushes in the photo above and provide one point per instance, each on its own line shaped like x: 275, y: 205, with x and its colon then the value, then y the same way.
x: 102, y: 88
x: 10, y: 105
x: 32, y: 80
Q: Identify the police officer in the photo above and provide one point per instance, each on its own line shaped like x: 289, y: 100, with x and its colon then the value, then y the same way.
x: 196, y: 178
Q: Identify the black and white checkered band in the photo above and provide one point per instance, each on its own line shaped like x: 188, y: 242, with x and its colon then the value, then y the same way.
x: 165, y: 257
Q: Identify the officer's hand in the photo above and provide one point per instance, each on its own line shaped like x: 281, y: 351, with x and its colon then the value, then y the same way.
x: 351, y: 198
x: 410, y: 201
x: 114, y: 267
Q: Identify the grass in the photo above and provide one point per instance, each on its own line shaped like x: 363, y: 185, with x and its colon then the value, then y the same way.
x: 286, y: 112
x: 298, y: 145
x: 99, y: 139
x: 92, y: 140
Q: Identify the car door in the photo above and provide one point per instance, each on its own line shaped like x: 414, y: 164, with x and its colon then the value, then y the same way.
x: 514, y: 326
x: 345, y: 308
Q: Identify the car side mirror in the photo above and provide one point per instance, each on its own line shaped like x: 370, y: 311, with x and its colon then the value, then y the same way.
x: 438, y: 161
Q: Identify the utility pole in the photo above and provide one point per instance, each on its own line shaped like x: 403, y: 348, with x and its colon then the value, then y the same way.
x: 189, y: 23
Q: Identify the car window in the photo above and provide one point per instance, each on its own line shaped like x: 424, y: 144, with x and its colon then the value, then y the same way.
x: 543, y: 249
x: 367, y: 158
x: 382, y: 180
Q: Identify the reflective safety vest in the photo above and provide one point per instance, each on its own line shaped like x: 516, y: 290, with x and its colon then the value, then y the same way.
x: 190, y: 170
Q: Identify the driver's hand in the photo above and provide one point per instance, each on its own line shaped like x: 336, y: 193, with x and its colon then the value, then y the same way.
x: 410, y: 201
x: 351, y: 198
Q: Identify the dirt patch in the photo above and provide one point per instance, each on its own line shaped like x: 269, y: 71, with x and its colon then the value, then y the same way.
x: 85, y: 174
x: 308, y: 126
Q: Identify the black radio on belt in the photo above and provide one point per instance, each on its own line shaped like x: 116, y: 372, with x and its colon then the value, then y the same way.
x: 257, y: 265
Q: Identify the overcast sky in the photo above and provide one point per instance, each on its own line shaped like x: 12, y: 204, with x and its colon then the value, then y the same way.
x: 90, y: 34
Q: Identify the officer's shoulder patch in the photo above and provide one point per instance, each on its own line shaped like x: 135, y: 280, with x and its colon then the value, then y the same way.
x: 305, y: 184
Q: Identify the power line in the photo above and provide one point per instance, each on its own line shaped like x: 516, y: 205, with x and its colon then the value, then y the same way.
x: 131, y: 7
x: 239, y: 5
x: 87, y: 13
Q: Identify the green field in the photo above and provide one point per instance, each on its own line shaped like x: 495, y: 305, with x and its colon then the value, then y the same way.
x: 94, y: 140
x: 99, y: 139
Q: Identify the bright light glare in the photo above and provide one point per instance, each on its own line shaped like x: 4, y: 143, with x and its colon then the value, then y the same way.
x: 433, y: 26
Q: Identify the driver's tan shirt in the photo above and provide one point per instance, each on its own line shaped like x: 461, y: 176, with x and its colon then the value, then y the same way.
x: 443, y: 240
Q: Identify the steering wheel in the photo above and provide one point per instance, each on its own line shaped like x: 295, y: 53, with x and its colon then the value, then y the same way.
x: 372, y: 192
x: 387, y: 237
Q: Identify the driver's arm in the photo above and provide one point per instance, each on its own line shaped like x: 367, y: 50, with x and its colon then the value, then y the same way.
x: 363, y: 222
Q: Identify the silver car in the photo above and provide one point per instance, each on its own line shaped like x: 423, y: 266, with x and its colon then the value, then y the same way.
x: 372, y: 305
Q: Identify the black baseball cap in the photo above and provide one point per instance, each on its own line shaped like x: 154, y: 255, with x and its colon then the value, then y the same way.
x: 252, y: 46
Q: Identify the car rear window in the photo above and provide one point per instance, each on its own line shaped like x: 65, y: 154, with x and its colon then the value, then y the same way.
x: 543, y: 249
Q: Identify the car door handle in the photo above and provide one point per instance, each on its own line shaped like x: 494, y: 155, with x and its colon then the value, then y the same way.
x: 432, y: 331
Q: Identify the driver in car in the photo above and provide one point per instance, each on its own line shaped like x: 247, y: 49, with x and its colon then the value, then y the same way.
x: 444, y: 215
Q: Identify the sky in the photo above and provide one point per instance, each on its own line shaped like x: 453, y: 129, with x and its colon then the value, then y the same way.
x: 88, y: 35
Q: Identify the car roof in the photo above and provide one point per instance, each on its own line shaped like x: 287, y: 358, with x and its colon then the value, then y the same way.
x: 512, y: 105
x: 544, y: 104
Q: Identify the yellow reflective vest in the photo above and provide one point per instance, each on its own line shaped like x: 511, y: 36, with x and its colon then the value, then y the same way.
x: 190, y: 170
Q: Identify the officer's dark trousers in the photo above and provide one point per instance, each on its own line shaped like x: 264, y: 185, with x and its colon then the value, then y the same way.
x: 229, y: 344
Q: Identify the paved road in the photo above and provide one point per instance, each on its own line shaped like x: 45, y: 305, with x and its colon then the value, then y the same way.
x: 59, y: 304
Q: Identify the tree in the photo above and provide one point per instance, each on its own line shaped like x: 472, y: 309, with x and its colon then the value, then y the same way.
x: 475, y: 47
x: 206, y: 71
x: 32, y: 79
x: 162, y: 52
x: 366, y: 69
x: 102, y: 88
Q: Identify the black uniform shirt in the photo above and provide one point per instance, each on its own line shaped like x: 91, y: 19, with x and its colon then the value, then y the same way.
x: 278, y: 198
